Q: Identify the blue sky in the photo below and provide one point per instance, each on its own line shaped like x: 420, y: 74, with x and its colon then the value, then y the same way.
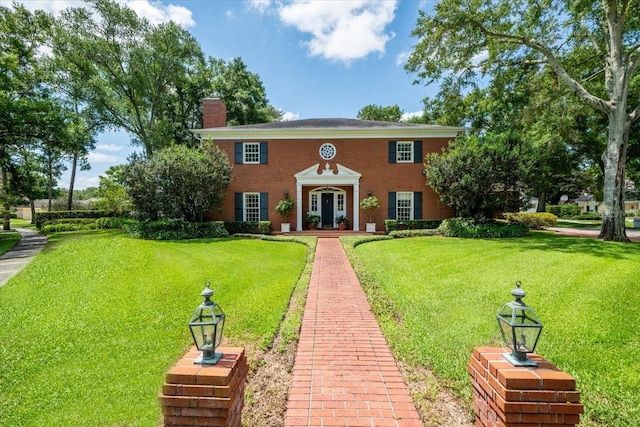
x: 322, y: 58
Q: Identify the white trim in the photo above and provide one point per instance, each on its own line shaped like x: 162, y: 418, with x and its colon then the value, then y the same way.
x: 330, y: 133
x: 328, y: 177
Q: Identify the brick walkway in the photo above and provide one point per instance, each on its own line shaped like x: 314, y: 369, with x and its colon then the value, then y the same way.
x: 344, y: 373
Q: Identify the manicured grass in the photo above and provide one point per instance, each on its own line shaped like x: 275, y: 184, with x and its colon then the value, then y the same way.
x: 89, y: 328
x: 8, y: 239
x: 438, y: 298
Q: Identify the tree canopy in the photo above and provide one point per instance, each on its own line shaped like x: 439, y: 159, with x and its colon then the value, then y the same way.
x: 177, y: 182
x: 591, y: 47
x: 391, y: 113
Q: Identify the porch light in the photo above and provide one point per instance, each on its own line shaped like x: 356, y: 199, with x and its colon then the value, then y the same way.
x: 520, y: 327
x: 207, y: 323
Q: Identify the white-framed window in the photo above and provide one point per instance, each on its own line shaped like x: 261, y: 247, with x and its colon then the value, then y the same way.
x: 404, y: 152
x: 251, y: 207
x: 404, y: 206
x: 314, y: 202
x: 340, y: 207
x: 251, y: 152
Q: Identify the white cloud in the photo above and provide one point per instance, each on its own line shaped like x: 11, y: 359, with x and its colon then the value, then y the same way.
x: 342, y: 31
x: 157, y: 13
x: 96, y: 157
x: 259, y: 5
x: 407, y: 116
x: 83, y: 182
x: 109, y: 147
x: 288, y: 116
x: 154, y: 11
x: 402, y: 58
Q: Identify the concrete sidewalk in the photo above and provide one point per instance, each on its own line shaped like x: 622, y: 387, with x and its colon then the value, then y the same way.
x: 344, y: 373
x: 30, y: 245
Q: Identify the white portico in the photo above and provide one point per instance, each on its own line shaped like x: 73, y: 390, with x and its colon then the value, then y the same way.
x: 325, y: 198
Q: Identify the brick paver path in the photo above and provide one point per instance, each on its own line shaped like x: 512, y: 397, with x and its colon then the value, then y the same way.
x: 344, y: 373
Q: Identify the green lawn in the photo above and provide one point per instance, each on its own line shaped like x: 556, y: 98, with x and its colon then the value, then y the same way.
x: 442, y: 294
x: 88, y: 329
x: 8, y: 239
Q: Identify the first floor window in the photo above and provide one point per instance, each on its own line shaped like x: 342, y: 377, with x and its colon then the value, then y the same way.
x: 404, y: 206
x: 252, y: 206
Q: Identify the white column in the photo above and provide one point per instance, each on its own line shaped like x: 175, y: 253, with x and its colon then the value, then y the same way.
x: 298, y: 207
x: 356, y: 206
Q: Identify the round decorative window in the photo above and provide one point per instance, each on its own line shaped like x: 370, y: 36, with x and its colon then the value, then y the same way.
x: 327, y: 151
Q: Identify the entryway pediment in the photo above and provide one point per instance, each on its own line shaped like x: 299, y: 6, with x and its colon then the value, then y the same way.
x: 343, y: 175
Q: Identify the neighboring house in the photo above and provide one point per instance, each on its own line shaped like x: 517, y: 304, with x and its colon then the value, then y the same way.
x: 327, y: 166
x: 588, y: 203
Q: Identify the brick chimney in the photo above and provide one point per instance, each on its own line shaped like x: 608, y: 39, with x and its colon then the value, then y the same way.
x: 214, y: 113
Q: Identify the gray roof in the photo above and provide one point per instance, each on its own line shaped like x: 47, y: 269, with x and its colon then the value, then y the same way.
x: 331, y: 123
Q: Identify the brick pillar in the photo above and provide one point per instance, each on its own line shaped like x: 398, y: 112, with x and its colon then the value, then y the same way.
x: 506, y: 395
x: 214, y: 113
x: 213, y: 395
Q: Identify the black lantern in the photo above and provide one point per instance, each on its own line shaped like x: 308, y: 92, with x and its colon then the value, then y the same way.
x: 520, y: 327
x: 206, y: 327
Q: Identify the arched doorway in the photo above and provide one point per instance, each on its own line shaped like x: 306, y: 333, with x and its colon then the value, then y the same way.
x: 328, y: 202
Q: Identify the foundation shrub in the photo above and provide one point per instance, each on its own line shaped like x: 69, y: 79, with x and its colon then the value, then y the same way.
x: 248, y: 227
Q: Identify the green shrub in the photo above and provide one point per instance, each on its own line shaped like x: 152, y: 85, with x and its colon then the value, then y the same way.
x: 175, y: 229
x: 43, y: 217
x: 465, y: 227
x: 567, y: 210
x: 399, y: 234
x: 414, y: 224
x: 248, y: 227
x: 112, y: 222
x: 533, y: 220
x: 58, y: 227
x: 630, y: 214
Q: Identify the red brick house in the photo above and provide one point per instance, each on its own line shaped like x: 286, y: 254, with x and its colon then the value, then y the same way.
x: 327, y: 166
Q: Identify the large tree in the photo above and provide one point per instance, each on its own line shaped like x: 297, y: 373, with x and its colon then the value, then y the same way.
x: 136, y: 74
x: 463, y: 37
x: 30, y: 117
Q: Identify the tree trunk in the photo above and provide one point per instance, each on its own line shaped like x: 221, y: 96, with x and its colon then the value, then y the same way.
x: 614, y: 158
x: 6, y: 215
x: 542, y: 201
x: 32, y: 204
x: 74, y: 165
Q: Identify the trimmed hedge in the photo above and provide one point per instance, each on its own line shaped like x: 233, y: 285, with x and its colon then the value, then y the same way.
x: 64, y: 225
x: 414, y: 224
x: 465, y: 227
x: 248, y: 227
x: 533, y: 220
x: 43, y: 217
x: 175, y: 229
x: 113, y: 222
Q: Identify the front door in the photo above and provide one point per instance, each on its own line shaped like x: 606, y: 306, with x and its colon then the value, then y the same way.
x: 327, y: 210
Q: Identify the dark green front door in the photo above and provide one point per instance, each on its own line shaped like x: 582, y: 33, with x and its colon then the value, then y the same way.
x: 327, y: 209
